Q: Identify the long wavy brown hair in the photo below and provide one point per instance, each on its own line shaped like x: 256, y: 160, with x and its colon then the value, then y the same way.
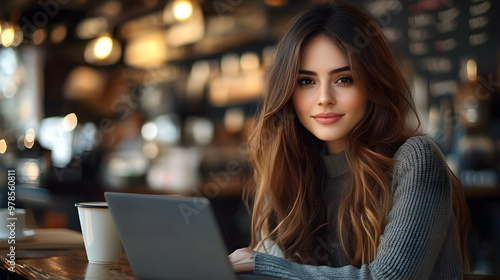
x: 287, y: 205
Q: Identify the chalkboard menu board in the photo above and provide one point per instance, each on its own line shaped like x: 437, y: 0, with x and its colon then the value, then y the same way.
x: 451, y: 47
x: 439, y: 35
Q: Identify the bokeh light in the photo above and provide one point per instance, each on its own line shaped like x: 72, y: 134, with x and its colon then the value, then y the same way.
x: 69, y: 122
x: 8, y: 35
x: 39, y: 36
x: 183, y: 10
x: 3, y: 146
x: 149, y: 131
x: 58, y: 34
x: 103, y: 47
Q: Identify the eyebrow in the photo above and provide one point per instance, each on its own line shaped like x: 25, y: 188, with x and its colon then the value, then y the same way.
x: 341, y: 69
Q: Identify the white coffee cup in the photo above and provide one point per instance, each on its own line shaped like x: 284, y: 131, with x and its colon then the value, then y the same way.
x: 12, y: 223
x: 101, y: 238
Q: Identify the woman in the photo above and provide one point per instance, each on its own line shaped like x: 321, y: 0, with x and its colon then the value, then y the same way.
x: 345, y: 186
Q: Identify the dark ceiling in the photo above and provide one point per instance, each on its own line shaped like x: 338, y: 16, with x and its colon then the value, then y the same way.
x: 45, y: 13
x: 49, y: 13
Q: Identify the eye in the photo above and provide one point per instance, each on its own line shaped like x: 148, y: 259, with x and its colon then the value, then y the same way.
x: 305, y: 82
x: 345, y: 81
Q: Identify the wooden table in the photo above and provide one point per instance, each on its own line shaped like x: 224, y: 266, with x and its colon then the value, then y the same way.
x: 57, y: 254
x: 64, y: 265
x: 73, y: 265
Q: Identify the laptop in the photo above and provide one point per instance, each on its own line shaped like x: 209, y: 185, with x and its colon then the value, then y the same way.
x: 171, y: 237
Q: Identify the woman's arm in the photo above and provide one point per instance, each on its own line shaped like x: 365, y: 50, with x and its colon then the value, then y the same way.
x: 415, y: 231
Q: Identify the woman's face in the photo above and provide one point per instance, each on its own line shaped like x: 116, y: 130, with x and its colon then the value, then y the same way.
x: 326, y: 99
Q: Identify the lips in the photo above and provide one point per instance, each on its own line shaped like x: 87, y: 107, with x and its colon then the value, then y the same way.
x: 327, y: 118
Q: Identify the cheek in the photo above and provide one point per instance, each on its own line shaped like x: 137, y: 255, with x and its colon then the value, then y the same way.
x: 356, y: 102
x: 299, y: 103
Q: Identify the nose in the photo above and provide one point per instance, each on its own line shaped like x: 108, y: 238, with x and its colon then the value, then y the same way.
x: 326, y: 95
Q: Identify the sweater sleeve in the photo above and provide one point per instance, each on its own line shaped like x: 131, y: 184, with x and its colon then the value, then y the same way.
x: 415, y: 230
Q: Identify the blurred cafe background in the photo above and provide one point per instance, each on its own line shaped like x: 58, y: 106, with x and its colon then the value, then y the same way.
x: 156, y: 96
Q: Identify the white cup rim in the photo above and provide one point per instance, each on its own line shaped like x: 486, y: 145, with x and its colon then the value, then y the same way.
x: 99, y: 204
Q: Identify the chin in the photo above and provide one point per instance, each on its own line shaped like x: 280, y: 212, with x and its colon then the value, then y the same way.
x: 327, y: 138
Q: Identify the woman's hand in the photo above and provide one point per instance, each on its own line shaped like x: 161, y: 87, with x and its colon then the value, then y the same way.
x: 242, y: 260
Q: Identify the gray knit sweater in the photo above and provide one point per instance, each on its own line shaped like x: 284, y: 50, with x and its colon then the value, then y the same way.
x: 419, y: 240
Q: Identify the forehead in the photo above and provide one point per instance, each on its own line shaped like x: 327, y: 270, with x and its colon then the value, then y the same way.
x: 321, y: 50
